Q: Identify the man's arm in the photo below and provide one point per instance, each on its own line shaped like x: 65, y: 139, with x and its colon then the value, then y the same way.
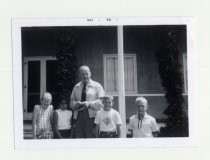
x: 96, y: 104
x: 74, y: 103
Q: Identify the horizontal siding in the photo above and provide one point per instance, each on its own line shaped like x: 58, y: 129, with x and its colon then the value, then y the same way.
x: 94, y: 42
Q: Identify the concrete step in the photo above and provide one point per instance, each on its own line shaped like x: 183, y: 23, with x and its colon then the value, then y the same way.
x: 27, y: 127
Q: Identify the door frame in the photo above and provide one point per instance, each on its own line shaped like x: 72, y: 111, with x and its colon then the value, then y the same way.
x: 42, y: 60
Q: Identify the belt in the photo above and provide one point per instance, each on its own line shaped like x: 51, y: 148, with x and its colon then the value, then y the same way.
x: 108, y: 133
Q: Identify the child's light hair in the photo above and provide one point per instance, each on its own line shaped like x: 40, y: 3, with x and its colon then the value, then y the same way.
x: 46, y: 95
x: 142, y: 99
x: 107, y: 97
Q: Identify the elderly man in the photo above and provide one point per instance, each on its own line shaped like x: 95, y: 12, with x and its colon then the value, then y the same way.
x: 85, y: 102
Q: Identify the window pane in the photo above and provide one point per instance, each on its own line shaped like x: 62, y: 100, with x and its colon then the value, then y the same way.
x: 33, y: 77
x: 116, y: 74
x: 112, y: 73
x: 33, y: 84
x: 33, y: 99
x: 51, y: 77
x: 129, y: 74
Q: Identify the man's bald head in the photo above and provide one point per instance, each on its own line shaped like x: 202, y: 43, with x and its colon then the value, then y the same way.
x: 85, y: 74
x: 84, y: 68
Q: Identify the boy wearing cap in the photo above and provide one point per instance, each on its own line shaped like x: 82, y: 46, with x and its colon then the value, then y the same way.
x: 141, y: 124
x: 108, y: 120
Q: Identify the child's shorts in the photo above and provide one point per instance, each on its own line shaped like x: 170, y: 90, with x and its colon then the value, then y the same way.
x: 108, y: 135
x: 65, y: 133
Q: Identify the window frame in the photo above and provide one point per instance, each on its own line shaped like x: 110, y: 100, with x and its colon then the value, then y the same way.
x: 42, y: 60
x: 184, y: 58
x: 105, y: 56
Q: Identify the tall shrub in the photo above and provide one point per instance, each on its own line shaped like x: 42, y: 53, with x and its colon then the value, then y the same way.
x: 67, y: 63
x: 172, y: 81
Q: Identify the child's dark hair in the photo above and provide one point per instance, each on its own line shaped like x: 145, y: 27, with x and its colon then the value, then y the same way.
x: 61, y: 98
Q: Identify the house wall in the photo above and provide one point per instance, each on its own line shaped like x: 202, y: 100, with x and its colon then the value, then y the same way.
x: 94, y: 42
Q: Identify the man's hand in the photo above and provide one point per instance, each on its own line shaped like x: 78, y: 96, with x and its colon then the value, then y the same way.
x: 85, y: 104
x: 78, y: 105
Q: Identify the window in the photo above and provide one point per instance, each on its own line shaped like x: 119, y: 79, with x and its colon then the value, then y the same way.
x: 185, y: 73
x: 111, y: 73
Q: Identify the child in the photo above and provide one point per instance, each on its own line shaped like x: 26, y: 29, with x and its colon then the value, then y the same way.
x: 141, y: 124
x: 62, y: 120
x: 42, y: 118
x: 108, y: 120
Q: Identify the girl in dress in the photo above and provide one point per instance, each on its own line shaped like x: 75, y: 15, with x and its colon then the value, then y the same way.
x: 62, y: 120
x: 43, y: 118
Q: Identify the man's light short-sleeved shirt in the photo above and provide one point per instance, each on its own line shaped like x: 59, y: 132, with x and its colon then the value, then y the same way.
x: 108, y: 120
x: 144, y: 127
x: 94, y: 91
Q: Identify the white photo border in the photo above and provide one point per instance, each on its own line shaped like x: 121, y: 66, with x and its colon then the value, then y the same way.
x: 21, y: 143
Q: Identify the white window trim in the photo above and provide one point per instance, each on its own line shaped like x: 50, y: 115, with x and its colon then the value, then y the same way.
x: 42, y: 60
x: 105, y: 56
x: 184, y: 70
x: 39, y: 58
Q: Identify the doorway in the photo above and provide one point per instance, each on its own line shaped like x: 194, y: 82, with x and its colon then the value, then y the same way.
x: 39, y: 76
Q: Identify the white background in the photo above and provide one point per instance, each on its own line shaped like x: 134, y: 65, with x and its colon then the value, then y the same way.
x: 88, y: 143
x: 119, y: 8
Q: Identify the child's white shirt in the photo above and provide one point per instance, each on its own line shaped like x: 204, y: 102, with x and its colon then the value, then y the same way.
x: 144, y: 127
x: 108, y: 120
x: 64, y: 119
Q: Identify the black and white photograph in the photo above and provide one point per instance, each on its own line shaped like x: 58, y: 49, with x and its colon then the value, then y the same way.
x: 94, y: 81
